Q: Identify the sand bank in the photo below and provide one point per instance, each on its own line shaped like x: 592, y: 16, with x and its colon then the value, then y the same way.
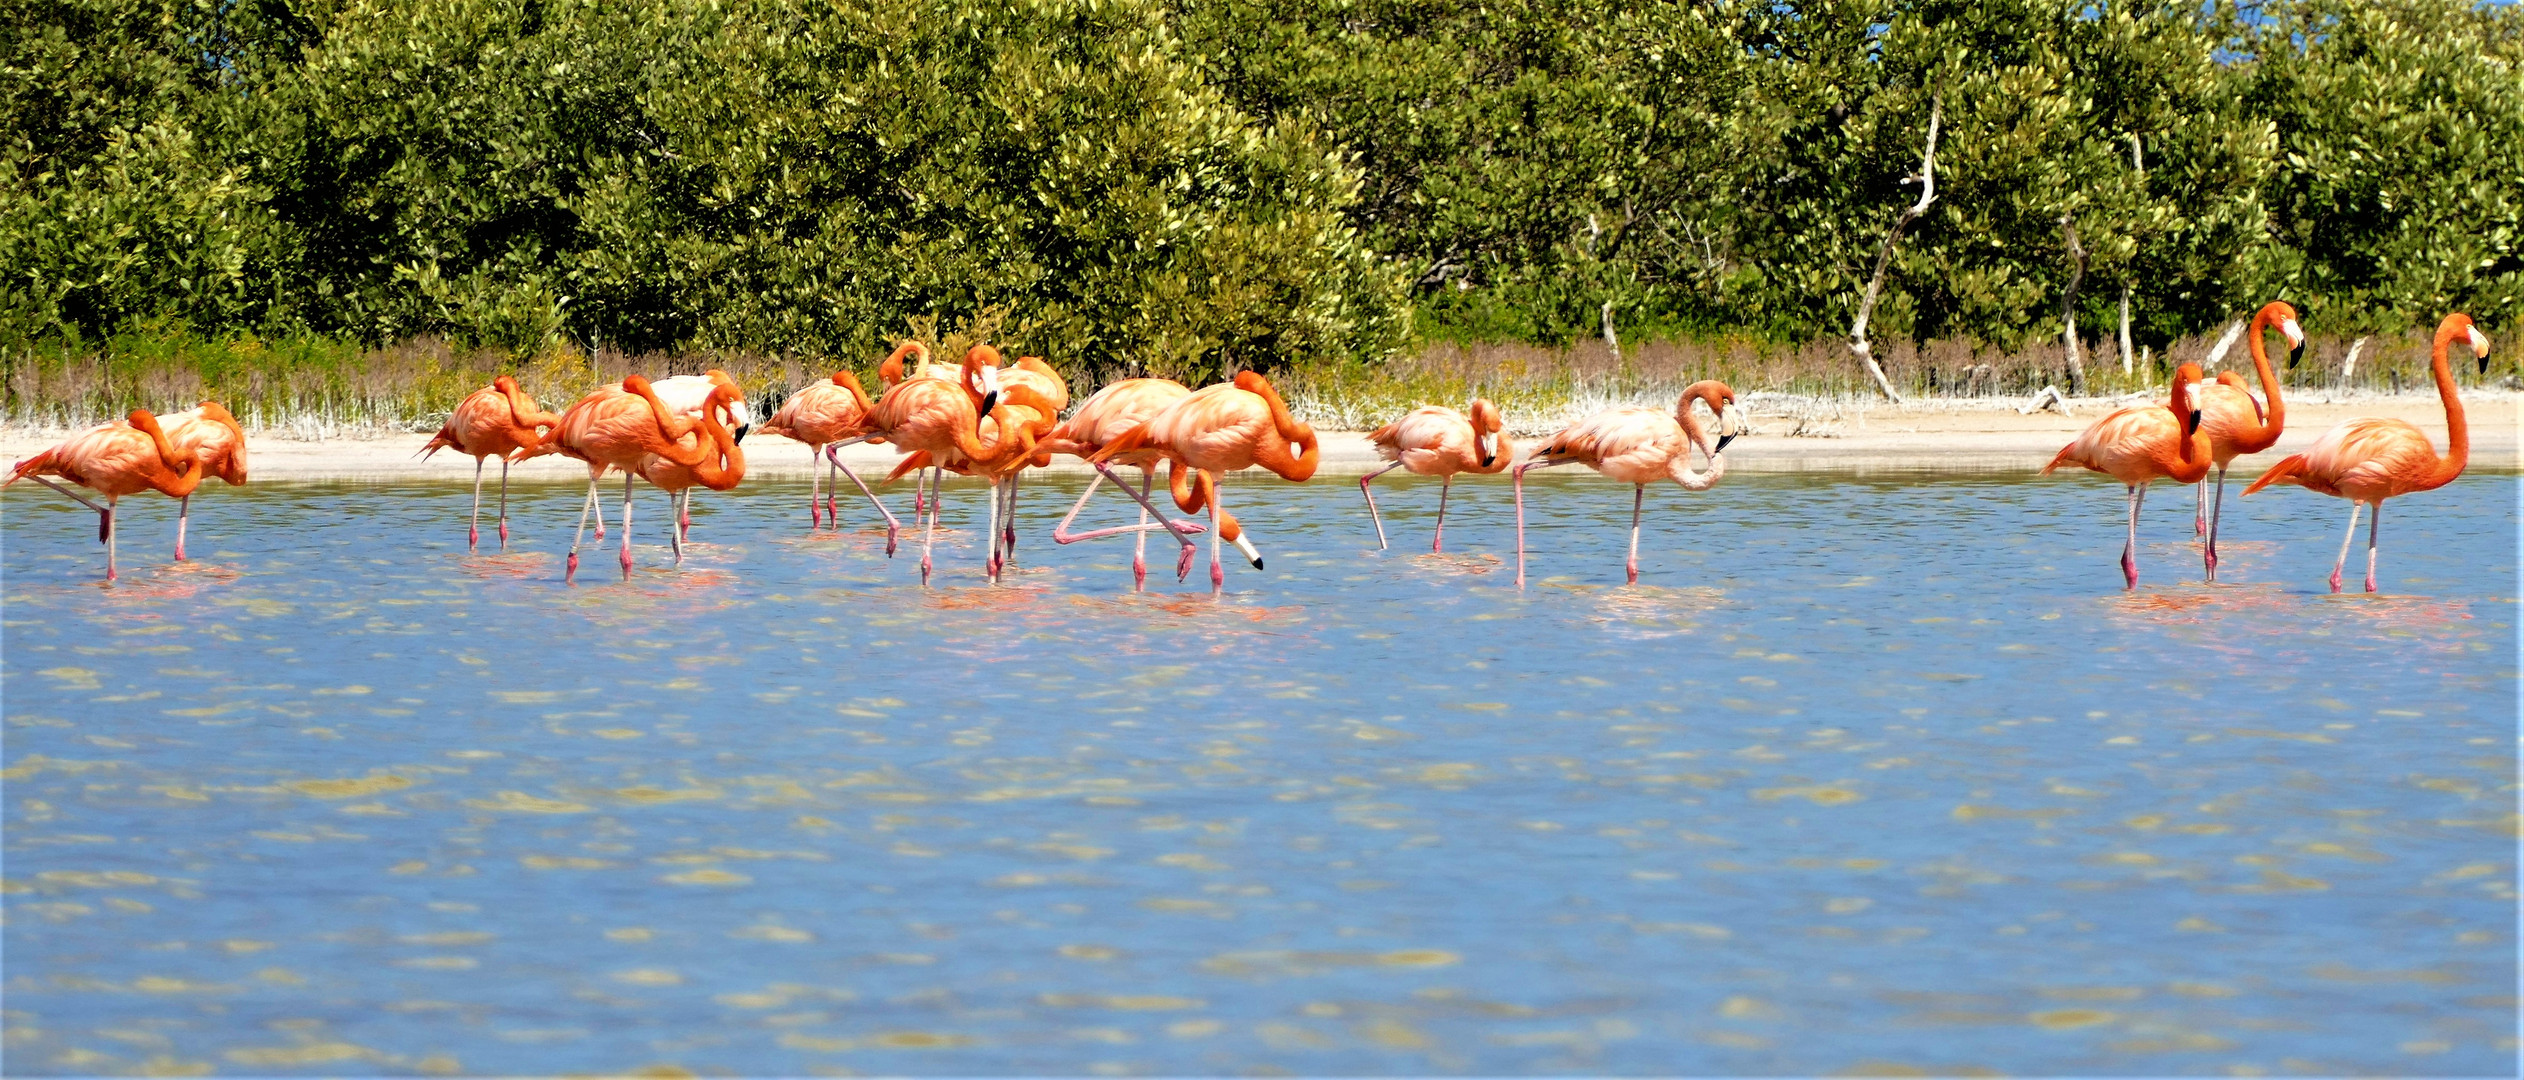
x: 1978, y: 436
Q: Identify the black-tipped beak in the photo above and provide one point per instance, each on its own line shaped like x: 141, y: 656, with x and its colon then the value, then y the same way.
x: 2295, y: 356
x: 1722, y: 441
x: 2484, y: 363
x: 989, y: 401
x: 741, y: 429
x: 2192, y: 427
x: 1257, y: 562
x: 1486, y: 459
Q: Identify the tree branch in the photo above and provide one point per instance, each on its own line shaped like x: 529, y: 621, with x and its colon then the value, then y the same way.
x: 1859, y: 346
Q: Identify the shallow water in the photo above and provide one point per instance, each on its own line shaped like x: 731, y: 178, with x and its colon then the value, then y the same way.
x: 1861, y: 775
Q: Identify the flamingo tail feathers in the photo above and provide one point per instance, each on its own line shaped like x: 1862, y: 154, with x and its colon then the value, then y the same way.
x: 2283, y: 472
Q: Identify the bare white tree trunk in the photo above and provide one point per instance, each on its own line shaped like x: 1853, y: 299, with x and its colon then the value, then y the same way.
x: 2138, y: 163
x: 2349, y: 367
x: 1859, y: 346
x: 2068, y: 305
x: 1611, y: 340
x: 2226, y: 341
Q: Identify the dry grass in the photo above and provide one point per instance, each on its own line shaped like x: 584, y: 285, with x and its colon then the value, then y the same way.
x: 318, y: 388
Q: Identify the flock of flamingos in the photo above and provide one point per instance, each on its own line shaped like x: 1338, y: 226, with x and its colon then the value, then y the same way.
x: 993, y: 420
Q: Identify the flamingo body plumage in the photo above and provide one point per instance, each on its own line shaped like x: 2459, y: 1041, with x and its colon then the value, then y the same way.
x: 1434, y: 440
x: 1637, y: 445
x: 499, y: 420
x: 2143, y: 444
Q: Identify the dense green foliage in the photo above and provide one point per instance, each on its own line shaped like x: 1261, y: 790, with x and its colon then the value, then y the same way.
x: 1181, y: 187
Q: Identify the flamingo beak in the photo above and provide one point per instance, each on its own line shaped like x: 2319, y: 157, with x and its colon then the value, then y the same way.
x: 2480, y: 348
x: 2192, y: 426
x: 1488, y: 455
x: 2295, y: 342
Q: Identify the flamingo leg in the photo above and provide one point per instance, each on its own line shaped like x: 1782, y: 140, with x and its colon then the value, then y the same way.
x: 1062, y: 535
x: 1445, y: 485
x: 2199, y: 508
x: 892, y: 526
x: 1139, y: 537
x: 1015, y: 479
x: 2129, y: 548
x: 1517, y: 480
x: 2345, y: 540
x: 1638, y: 502
x: 472, y: 529
x: 183, y: 517
x: 2374, y: 525
x: 1182, y: 531
x: 503, y: 504
x: 104, y: 520
x: 1217, y: 572
x: 675, y: 504
x: 626, y: 525
x: 110, y: 503
x: 990, y: 533
x: 2217, y: 509
x: 581, y: 534
x: 815, y: 491
x: 927, y: 538
x: 1370, y: 496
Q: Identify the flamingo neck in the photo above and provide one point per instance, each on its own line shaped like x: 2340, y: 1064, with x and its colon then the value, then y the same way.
x: 2274, y: 418
x: 1678, y: 467
x: 2457, y: 426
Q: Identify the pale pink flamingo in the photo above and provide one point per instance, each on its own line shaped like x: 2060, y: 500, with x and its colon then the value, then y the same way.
x: 940, y: 418
x: 2371, y: 459
x: 821, y: 413
x: 1434, y: 440
x: 1219, y: 429
x: 2142, y: 444
x: 1637, y: 445
x: 117, y: 459
x: 2236, y: 422
x: 719, y: 470
x: 208, y: 433
x: 499, y: 421
x: 1107, y: 415
x: 614, y: 428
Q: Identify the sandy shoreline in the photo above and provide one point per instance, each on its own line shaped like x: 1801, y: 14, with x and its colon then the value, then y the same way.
x: 1933, y: 436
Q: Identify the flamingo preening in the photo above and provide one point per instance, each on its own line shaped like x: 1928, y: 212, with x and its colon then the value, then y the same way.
x: 719, y: 470
x: 500, y: 421
x: 616, y: 427
x: 208, y: 433
x: 940, y: 418
x: 117, y: 459
x: 2142, y: 444
x: 2371, y: 459
x: 2236, y: 423
x: 1434, y: 440
x: 1638, y: 445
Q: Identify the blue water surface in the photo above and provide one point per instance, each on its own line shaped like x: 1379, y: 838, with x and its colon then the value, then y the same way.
x: 1872, y: 774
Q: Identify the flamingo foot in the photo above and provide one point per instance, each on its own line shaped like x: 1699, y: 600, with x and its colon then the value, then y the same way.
x: 503, y: 536
x: 2129, y: 570
x: 1217, y: 575
x: 1183, y: 565
x: 2210, y: 559
x: 1139, y: 571
x: 179, y: 553
x: 2370, y: 583
x: 1634, y: 571
x: 814, y: 515
x: 472, y: 539
x: 572, y: 574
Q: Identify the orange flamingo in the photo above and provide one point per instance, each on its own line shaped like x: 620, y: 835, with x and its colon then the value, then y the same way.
x: 720, y: 470
x: 500, y: 421
x: 1033, y: 373
x: 1638, y: 445
x: 822, y: 413
x: 208, y: 433
x: 689, y: 396
x: 2371, y: 459
x: 1106, y: 415
x: 891, y: 371
x: 1434, y: 440
x: 2142, y: 444
x: 938, y: 418
x: 114, y: 460
x: 2235, y: 421
x: 614, y: 428
x: 1219, y: 429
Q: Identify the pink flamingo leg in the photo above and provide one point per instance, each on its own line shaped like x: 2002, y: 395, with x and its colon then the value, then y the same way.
x: 473, y: 530
x: 1517, y: 477
x: 1370, y: 496
x: 2129, y: 548
x: 503, y: 504
x: 1182, y: 529
x: 1638, y: 501
x: 2217, y: 509
x: 571, y: 574
x: 815, y: 490
x: 183, y: 517
x: 1139, y: 537
x: 990, y: 533
x: 2199, y: 509
x: 626, y: 526
x: 1217, y: 572
x: 2346, y: 539
x: 928, y: 538
x: 104, y: 519
x: 1444, y: 485
x: 2374, y: 525
x: 108, y: 529
x: 893, y: 527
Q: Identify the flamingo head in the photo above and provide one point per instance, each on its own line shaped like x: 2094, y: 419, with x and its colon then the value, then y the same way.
x: 2186, y: 400
x: 2479, y: 346
x: 740, y: 416
x: 2282, y: 314
x: 1485, y: 429
x: 981, y: 376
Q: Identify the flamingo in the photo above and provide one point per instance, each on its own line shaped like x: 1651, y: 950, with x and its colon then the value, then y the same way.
x: 114, y: 460
x: 940, y: 418
x: 690, y: 396
x: 718, y: 471
x: 827, y: 412
x: 1434, y: 440
x: 1107, y: 415
x: 614, y: 428
x: 500, y: 421
x: 2142, y: 444
x: 1218, y: 429
x: 1033, y: 373
x: 1638, y: 445
x: 207, y: 432
x: 2235, y: 422
x: 2371, y: 459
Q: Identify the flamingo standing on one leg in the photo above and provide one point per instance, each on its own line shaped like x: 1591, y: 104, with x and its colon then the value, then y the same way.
x: 1638, y: 445
x: 718, y: 470
x: 1219, y: 429
x: 2235, y: 421
x: 117, y: 459
x: 939, y: 418
x: 500, y: 421
x: 1107, y: 415
x: 1434, y: 440
x: 819, y: 414
x: 2371, y: 459
x: 2142, y: 444
x: 614, y: 428
x: 208, y: 433
x: 690, y: 396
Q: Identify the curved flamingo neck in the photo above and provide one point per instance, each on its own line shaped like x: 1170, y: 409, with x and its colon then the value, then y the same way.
x: 721, y: 471
x: 670, y: 427
x: 1485, y: 421
x: 2457, y: 426
x: 2274, y: 418
x: 179, y: 481
x: 1678, y: 467
x: 891, y: 371
x: 850, y: 382
x: 1300, y: 467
